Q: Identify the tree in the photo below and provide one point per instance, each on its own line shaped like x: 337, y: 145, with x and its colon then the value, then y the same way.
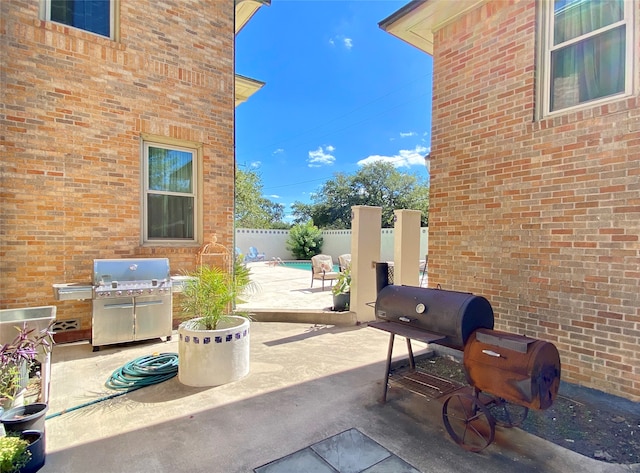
x: 252, y: 209
x: 378, y: 184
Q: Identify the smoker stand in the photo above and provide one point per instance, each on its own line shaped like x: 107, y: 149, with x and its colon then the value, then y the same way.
x: 468, y: 414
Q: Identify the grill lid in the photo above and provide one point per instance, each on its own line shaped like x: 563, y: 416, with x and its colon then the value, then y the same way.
x: 127, y: 270
x: 454, y: 315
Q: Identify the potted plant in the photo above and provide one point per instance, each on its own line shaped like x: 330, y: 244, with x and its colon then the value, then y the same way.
x: 213, y: 345
x: 17, y: 359
x: 342, y: 290
x: 23, y: 453
x: 13, y: 453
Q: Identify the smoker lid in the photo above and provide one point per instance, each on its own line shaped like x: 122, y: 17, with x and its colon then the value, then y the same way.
x: 130, y: 269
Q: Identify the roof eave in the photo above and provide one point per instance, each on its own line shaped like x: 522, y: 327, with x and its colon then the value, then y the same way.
x: 417, y: 21
x: 245, y: 9
x: 245, y: 87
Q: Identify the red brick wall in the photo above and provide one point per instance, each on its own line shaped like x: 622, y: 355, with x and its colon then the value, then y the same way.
x: 74, y: 106
x: 541, y: 217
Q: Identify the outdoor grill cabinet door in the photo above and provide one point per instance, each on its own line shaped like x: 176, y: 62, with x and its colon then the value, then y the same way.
x: 112, y: 321
x: 153, y: 317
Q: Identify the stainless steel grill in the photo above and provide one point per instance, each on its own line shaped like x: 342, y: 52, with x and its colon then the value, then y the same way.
x: 132, y: 299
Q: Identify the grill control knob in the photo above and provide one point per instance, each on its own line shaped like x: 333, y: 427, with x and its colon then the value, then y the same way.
x: 129, y: 292
x: 118, y: 293
x: 140, y: 291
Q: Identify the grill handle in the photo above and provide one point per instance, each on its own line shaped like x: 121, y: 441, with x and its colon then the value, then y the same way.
x: 148, y: 303
x: 124, y: 305
x: 491, y: 353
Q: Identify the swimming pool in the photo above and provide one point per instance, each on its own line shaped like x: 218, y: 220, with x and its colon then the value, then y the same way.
x: 306, y: 265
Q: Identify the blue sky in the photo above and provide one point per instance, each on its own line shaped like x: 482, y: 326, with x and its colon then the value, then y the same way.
x: 340, y: 92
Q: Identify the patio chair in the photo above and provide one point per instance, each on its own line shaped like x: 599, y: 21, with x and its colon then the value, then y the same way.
x: 344, y: 261
x: 322, y: 269
x: 254, y: 255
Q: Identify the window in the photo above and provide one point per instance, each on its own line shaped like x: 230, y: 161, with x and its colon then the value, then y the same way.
x: 95, y: 16
x: 170, y: 193
x: 588, y: 52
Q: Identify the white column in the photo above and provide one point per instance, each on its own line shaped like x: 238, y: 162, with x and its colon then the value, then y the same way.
x: 406, y: 247
x: 366, y: 223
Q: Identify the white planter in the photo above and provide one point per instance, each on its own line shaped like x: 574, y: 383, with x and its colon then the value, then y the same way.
x: 213, y: 357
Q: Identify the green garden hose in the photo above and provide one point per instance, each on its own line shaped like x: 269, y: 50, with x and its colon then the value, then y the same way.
x: 136, y: 374
x: 144, y: 371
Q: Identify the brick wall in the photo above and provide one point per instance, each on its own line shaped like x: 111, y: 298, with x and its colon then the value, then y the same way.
x: 541, y: 217
x: 74, y: 108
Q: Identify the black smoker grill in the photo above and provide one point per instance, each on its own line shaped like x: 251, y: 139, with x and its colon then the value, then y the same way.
x: 508, y: 373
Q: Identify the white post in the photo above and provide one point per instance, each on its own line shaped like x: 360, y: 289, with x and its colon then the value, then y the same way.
x: 366, y: 223
x: 406, y: 247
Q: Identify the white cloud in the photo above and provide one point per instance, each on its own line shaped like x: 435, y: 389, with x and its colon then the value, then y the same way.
x: 407, y: 134
x: 346, y: 42
x: 278, y: 151
x: 404, y: 159
x: 255, y: 165
x: 321, y: 157
x: 274, y: 196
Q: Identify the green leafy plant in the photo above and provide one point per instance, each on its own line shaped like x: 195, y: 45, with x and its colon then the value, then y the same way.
x: 209, y: 297
x: 305, y: 240
x: 13, y: 453
x: 17, y: 357
x: 343, y: 282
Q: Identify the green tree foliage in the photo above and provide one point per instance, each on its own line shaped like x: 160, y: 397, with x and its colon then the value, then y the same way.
x: 252, y: 209
x: 305, y: 240
x: 378, y: 184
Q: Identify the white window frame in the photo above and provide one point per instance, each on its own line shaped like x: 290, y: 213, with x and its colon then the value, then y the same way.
x: 196, y: 192
x: 545, y: 48
x: 45, y: 14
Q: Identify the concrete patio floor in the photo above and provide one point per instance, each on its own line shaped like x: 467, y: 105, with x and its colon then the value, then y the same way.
x: 285, y: 288
x: 309, y: 382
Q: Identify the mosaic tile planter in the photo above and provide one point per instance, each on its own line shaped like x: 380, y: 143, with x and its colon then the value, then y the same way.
x: 213, y: 357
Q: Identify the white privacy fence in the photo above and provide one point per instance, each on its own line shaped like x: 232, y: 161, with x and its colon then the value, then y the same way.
x: 273, y: 243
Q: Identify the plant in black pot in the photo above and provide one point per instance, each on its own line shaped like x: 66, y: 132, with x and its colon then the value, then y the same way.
x: 22, y: 453
x: 342, y: 290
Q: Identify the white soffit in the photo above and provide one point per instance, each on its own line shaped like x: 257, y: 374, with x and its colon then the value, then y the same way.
x: 245, y: 9
x: 246, y: 87
x: 416, y: 21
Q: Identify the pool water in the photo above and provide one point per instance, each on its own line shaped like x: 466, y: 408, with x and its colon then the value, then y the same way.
x: 306, y: 265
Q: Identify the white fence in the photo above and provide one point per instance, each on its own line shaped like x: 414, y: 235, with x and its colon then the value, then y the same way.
x: 273, y: 243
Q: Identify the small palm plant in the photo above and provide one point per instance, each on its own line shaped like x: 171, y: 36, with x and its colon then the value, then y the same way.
x: 212, y: 293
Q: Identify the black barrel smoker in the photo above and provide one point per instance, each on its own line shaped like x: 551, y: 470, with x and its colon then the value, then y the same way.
x: 508, y: 373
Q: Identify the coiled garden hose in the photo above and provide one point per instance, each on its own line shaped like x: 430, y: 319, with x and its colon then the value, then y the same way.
x: 144, y: 371
x: 136, y: 374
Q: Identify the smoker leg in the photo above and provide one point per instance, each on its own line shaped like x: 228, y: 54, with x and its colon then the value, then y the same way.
x: 95, y: 349
x: 412, y: 361
x: 388, y: 370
